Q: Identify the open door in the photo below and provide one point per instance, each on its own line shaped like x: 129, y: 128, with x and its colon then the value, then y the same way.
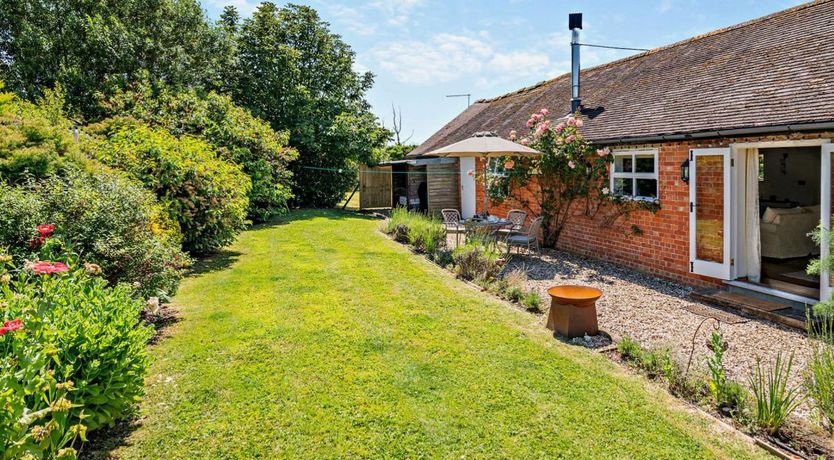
x: 709, y: 212
x: 825, y: 216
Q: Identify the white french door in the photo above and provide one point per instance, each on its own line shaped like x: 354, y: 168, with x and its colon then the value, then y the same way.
x: 710, y: 213
x: 825, y: 216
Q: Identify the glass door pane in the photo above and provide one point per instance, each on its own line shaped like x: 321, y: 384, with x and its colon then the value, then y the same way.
x: 709, y: 208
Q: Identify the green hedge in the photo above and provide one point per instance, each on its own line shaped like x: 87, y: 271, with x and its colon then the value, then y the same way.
x: 205, y: 194
x: 74, y: 358
x: 107, y: 219
x: 237, y: 135
x: 35, y: 140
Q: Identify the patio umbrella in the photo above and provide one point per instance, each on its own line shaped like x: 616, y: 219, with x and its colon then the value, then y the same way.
x: 485, y: 144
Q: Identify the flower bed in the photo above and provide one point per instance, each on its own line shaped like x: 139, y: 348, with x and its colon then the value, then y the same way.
x: 72, y: 352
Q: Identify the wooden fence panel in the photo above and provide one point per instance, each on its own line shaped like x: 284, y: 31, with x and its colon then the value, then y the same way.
x: 375, y: 187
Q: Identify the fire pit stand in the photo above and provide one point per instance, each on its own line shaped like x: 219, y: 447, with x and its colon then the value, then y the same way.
x: 573, y: 311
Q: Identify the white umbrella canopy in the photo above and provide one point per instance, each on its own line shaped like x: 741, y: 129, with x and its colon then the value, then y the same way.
x: 484, y: 144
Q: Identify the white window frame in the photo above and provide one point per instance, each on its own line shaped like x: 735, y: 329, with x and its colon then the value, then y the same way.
x: 634, y: 175
x: 495, y: 168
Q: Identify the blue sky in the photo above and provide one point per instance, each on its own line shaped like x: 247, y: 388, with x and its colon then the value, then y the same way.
x: 422, y: 50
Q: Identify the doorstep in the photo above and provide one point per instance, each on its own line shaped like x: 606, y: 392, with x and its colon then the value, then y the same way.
x: 775, y: 310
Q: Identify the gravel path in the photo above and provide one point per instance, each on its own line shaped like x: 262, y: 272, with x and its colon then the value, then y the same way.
x: 651, y: 311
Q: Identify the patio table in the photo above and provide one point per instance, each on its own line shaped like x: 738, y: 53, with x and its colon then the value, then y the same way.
x: 485, y: 229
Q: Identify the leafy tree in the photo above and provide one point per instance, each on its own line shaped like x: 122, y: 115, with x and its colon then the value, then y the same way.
x: 95, y: 46
x: 292, y: 71
x: 238, y: 137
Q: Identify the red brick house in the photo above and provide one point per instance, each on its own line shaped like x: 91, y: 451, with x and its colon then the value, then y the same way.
x: 749, y: 109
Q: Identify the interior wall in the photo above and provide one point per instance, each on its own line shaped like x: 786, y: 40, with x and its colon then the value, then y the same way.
x: 791, y: 174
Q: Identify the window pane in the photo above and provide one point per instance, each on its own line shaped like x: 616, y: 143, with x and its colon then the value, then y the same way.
x: 709, y: 208
x: 623, y: 186
x: 645, y: 164
x: 623, y: 163
x: 646, y: 187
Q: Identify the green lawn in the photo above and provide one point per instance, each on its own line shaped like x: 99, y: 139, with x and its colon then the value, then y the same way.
x: 318, y: 337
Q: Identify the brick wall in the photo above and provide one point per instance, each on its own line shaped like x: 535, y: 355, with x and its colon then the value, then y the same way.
x: 663, y: 248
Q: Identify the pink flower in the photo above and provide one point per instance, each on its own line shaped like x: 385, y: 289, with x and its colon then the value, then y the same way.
x: 470, y: 173
x: 603, y: 152
x: 525, y: 141
x: 537, y: 116
x: 544, y: 111
x: 605, y: 190
x: 560, y: 127
x: 513, y: 135
x: 509, y: 164
x: 45, y: 230
x: 10, y: 326
x: 571, y: 121
x: 570, y: 139
x: 571, y: 164
x: 48, y: 268
x: 530, y: 123
x: 578, y: 123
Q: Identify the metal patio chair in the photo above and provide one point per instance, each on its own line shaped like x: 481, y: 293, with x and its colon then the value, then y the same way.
x: 529, y: 239
x: 517, y: 217
x: 452, y: 223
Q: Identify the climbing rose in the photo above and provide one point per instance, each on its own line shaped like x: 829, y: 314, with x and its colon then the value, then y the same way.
x: 530, y: 123
x: 603, y: 152
x: 570, y: 139
x: 578, y: 123
x: 605, y: 190
x: 10, y: 326
x: 537, y: 116
x: 571, y: 121
x: 509, y: 164
x: 48, y: 268
x: 513, y: 135
x: 470, y: 173
x: 525, y: 141
x: 544, y: 111
x: 560, y: 127
x: 45, y: 230
x: 571, y: 164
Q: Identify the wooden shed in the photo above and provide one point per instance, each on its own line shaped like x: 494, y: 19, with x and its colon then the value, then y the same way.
x: 425, y: 184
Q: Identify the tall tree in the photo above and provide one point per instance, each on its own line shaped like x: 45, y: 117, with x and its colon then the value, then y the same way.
x: 92, y: 47
x: 295, y: 73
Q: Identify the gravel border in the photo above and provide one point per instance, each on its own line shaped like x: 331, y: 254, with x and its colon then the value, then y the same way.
x: 652, y: 311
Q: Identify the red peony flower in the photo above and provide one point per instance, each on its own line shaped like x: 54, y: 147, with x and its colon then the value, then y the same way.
x: 10, y: 326
x: 48, y: 268
x: 46, y: 230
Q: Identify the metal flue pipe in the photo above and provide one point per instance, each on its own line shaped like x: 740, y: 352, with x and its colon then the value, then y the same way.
x: 575, y: 24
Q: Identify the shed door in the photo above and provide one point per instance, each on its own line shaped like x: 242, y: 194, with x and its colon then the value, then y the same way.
x: 709, y: 212
x: 374, y: 187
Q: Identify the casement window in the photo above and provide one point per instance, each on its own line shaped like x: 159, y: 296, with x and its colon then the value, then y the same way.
x: 634, y: 174
x: 497, y: 181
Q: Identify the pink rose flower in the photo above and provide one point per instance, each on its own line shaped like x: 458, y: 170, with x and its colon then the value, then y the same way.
x: 513, y: 134
x: 530, y: 123
x: 560, y: 127
x: 570, y: 139
x: 571, y: 164
x: 603, y: 152
x: 525, y: 141
x: 470, y: 173
x: 578, y: 123
x: 509, y: 164
x: 571, y: 121
x: 544, y: 111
